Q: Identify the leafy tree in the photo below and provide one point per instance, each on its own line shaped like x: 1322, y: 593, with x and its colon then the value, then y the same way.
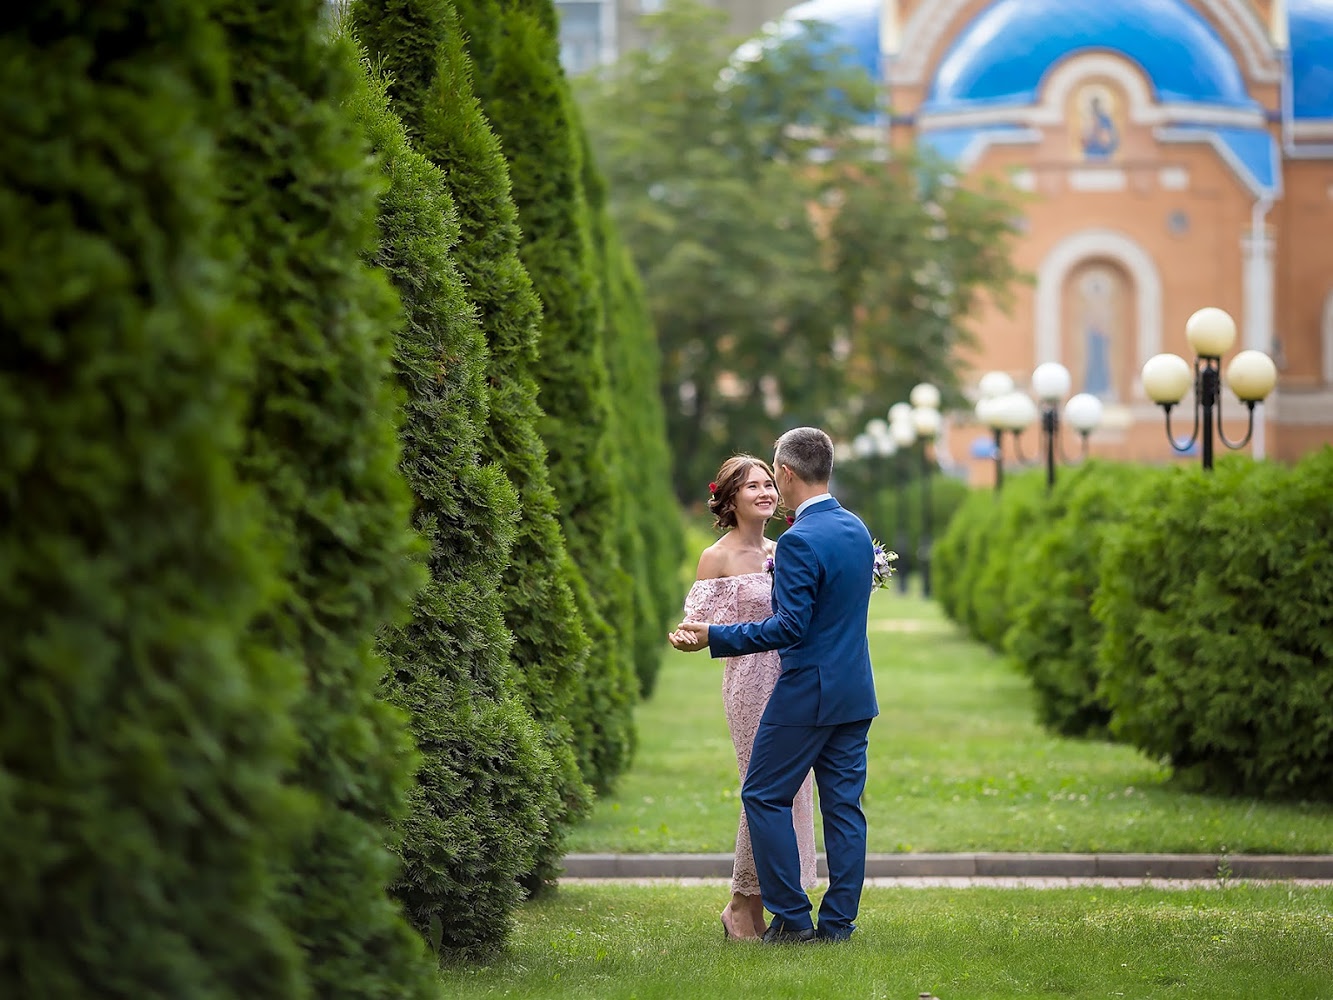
x: 420, y: 46
x: 796, y: 272
x: 914, y: 253
x: 486, y: 788
x: 143, y: 738
x: 524, y: 95
x: 323, y: 451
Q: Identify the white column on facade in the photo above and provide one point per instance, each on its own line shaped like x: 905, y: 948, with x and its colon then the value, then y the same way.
x: 890, y: 42
x: 1256, y: 249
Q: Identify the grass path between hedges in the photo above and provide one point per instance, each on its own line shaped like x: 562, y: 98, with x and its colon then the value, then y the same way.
x: 957, y: 763
x: 663, y: 942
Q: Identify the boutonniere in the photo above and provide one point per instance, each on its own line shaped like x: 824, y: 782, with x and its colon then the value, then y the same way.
x: 791, y: 519
x: 768, y: 565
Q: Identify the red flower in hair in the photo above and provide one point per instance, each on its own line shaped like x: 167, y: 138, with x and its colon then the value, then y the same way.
x: 712, y: 487
x: 791, y: 519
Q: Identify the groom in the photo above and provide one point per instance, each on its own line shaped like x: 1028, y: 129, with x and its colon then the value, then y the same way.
x: 819, y: 713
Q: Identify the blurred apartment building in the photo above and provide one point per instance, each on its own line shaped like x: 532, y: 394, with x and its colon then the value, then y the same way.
x: 594, y: 32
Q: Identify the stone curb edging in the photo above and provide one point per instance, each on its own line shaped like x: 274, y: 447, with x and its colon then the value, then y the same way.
x: 981, y: 865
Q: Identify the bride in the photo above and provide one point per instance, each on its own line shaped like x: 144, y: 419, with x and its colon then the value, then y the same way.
x: 734, y: 583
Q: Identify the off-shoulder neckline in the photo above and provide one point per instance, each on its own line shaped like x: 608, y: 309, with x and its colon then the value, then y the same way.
x: 735, y: 576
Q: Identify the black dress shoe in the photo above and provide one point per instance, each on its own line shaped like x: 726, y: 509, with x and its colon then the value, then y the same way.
x: 777, y: 933
x: 832, y: 938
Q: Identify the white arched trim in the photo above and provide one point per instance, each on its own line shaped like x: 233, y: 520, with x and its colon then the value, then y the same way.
x: 927, y: 30
x: 1074, y: 250
x: 1140, y: 105
x: 1326, y: 341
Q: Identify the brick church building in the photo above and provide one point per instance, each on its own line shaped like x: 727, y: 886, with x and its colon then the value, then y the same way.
x: 1171, y: 154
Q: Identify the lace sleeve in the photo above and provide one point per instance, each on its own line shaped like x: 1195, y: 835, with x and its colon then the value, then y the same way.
x: 712, y: 601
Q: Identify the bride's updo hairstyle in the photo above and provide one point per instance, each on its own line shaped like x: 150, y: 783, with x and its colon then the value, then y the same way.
x: 730, y: 478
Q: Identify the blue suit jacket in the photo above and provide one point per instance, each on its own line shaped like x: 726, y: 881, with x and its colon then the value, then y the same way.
x: 822, y: 579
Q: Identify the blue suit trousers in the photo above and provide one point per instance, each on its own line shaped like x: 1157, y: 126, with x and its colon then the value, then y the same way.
x: 782, y: 757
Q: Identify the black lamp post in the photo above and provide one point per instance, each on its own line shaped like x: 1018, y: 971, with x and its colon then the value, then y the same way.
x: 1167, y: 377
x: 924, y: 415
x: 1083, y: 412
x: 903, y: 432
x: 1002, y: 408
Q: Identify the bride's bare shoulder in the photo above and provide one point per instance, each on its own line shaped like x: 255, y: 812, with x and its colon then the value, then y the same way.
x: 714, y: 561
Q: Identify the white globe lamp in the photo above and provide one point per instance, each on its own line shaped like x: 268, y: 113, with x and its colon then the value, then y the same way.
x: 1083, y: 413
x: 1251, y: 376
x: 1211, y: 332
x: 1051, y: 382
x: 1166, y: 379
x: 925, y: 396
x: 993, y: 385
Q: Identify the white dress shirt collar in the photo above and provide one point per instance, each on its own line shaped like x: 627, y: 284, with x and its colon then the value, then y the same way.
x: 813, y: 500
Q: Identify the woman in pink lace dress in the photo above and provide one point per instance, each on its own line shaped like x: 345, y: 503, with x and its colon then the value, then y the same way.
x: 733, y: 584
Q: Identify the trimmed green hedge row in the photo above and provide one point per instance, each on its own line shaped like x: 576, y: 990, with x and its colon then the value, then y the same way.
x: 518, y: 80
x: 483, y: 756
x: 144, y: 738
x: 295, y: 655
x: 420, y: 47
x: 1187, y: 613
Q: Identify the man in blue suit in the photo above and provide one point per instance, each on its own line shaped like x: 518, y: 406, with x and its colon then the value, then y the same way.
x: 819, y: 713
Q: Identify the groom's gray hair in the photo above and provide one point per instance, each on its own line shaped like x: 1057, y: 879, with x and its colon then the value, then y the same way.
x: 808, y: 452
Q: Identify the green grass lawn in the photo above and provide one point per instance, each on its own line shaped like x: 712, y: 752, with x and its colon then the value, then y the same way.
x: 957, y: 763
x: 664, y: 943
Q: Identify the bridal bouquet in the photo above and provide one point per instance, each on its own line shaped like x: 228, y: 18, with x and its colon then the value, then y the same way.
x: 884, y: 560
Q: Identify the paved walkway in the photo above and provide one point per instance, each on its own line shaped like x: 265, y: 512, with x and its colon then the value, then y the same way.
x: 995, y: 870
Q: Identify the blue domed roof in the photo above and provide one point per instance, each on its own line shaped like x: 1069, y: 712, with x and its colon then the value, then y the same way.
x: 1310, y: 27
x: 1002, y: 56
x: 852, y: 25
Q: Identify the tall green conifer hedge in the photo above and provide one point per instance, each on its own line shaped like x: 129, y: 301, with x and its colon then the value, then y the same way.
x: 322, y: 450
x: 143, y: 739
x: 649, y: 536
x: 524, y: 95
x: 420, y: 44
x: 486, y: 788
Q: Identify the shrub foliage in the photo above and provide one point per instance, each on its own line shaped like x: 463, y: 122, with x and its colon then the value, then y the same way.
x: 143, y: 738
x: 649, y: 533
x: 1217, y: 607
x: 524, y: 95
x: 322, y: 451
x: 973, y: 563
x: 1053, y: 635
x: 1185, y: 612
x: 485, y: 789
x: 419, y: 44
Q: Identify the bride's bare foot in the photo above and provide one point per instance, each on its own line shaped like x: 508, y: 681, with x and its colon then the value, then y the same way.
x: 737, y: 921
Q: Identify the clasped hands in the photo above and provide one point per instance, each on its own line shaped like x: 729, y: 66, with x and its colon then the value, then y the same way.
x: 690, y: 637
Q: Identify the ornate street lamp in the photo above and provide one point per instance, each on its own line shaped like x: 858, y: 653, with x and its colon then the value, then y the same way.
x: 875, y: 446
x: 926, y: 420
x: 1167, y: 377
x: 1002, y: 408
x: 1083, y: 412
